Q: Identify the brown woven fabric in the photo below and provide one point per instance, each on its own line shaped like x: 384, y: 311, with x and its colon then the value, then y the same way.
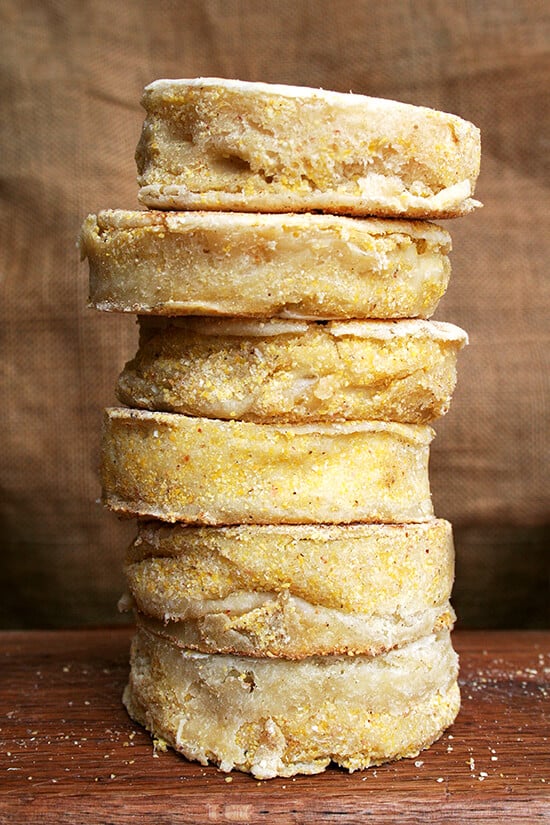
x: 72, y: 74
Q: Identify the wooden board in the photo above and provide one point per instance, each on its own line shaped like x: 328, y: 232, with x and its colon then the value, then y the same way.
x: 69, y: 753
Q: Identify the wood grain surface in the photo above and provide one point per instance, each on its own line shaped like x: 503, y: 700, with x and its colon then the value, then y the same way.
x: 70, y: 754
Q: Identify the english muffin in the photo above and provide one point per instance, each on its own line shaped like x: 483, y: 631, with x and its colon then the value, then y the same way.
x: 212, y: 143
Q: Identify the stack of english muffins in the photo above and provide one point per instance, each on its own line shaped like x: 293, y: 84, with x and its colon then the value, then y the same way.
x: 289, y: 579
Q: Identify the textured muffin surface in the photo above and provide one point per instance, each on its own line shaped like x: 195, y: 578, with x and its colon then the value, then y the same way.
x: 238, y: 711
x: 294, y: 590
x: 210, y: 143
x: 353, y: 567
x: 294, y: 370
x: 295, y: 266
x: 198, y: 470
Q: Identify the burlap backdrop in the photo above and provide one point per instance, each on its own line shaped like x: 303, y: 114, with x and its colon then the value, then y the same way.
x: 72, y: 74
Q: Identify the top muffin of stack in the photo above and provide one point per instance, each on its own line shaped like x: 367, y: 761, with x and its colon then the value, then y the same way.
x: 224, y: 144
x: 298, y: 414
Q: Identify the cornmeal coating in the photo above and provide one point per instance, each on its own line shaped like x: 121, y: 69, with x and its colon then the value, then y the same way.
x: 204, y: 471
x: 275, y: 717
x: 211, y: 143
x: 294, y: 266
x: 292, y: 590
x: 294, y: 371
x: 352, y: 567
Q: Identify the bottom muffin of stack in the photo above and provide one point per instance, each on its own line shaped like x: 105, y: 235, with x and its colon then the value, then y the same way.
x: 278, y: 717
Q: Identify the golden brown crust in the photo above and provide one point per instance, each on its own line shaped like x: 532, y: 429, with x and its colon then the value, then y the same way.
x: 209, y: 143
x: 197, y: 470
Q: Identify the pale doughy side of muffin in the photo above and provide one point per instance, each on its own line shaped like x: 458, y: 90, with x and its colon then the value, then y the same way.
x: 210, y: 143
x: 289, y: 371
x: 283, y: 626
x: 198, y: 470
x: 274, y: 717
x: 229, y: 264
